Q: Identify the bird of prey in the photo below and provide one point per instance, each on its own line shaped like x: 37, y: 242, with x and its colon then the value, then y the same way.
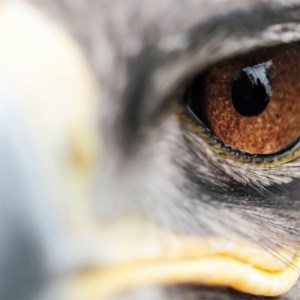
x: 149, y: 149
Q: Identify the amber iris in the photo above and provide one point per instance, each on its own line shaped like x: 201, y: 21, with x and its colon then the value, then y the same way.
x: 252, y: 102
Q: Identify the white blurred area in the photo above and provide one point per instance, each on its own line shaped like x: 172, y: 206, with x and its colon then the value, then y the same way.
x: 48, y: 148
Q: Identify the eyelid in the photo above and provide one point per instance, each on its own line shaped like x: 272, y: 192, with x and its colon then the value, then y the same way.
x: 175, y: 74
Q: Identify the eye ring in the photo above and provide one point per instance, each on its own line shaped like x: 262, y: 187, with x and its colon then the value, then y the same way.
x: 227, y: 152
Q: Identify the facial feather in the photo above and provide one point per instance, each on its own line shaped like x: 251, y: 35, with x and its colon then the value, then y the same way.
x: 164, y: 172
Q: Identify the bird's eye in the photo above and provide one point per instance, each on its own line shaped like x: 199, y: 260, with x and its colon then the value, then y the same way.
x: 250, y: 103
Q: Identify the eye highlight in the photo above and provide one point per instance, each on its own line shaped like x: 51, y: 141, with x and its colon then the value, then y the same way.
x: 251, y: 103
x: 252, y: 90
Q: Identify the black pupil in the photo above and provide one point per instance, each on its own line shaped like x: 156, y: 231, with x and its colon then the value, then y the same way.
x: 252, y: 90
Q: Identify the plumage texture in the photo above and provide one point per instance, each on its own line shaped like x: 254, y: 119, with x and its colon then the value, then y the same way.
x: 143, y: 52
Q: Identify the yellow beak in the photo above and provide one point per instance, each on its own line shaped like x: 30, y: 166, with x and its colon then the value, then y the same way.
x: 190, y: 260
